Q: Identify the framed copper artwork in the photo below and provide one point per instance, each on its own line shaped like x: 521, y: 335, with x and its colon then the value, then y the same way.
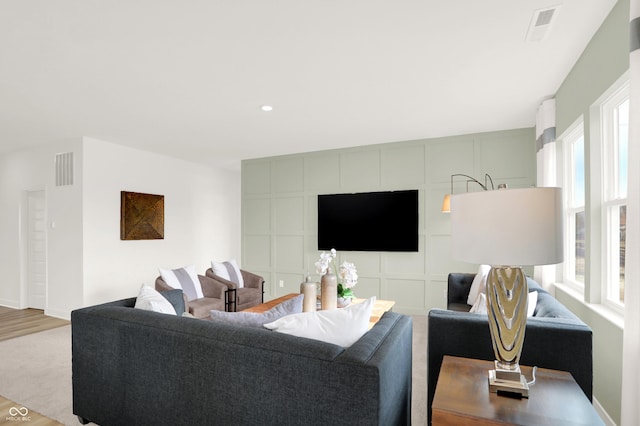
x: 141, y: 216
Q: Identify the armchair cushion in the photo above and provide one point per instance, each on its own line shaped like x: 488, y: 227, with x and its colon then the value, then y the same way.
x: 228, y: 270
x: 184, y: 279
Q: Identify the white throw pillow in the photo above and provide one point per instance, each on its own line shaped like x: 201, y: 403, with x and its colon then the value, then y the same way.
x: 185, y: 279
x: 479, y: 284
x: 151, y: 300
x: 480, y: 305
x: 229, y: 270
x: 338, y: 326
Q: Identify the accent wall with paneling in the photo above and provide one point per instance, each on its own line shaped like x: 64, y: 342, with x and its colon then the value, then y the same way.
x: 279, y: 209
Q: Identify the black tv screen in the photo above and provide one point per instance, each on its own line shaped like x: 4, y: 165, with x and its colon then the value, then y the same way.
x: 369, y: 221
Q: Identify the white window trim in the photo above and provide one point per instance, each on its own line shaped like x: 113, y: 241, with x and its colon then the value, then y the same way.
x: 571, y: 135
x: 611, y: 100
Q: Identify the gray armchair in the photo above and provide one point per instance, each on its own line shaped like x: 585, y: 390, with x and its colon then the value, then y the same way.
x: 216, y: 296
x: 251, y: 294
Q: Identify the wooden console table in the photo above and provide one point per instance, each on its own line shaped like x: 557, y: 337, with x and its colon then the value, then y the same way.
x: 379, y: 308
x: 462, y: 398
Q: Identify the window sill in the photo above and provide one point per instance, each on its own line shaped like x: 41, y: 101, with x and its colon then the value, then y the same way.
x: 616, y: 318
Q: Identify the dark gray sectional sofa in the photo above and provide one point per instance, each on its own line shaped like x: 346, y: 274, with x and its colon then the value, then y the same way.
x: 135, y: 367
x: 555, y: 338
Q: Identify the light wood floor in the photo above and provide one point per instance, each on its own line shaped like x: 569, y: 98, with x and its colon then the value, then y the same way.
x: 16, y: 323
x: 20, y: 322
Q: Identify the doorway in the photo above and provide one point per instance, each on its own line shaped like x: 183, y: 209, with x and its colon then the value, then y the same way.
x: 36, y: 250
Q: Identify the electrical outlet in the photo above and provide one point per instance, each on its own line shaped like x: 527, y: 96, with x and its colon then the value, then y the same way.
x: 281, y: 283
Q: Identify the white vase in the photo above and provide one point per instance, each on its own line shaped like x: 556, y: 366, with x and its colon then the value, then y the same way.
x: 309, y: 290
x: 343, y: 302
x: 329, y: 291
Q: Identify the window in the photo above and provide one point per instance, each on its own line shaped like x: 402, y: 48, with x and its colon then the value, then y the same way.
x: 615, y: 140
x: 574, y: 167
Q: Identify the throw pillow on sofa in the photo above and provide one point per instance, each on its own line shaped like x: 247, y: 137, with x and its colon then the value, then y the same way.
x: 479, y: 284
x: 228, y: 270
x: 185, y: 279
x: 253, y: 319
x: 150, y: 299
x: 341, y: 327
x: 175, y: 297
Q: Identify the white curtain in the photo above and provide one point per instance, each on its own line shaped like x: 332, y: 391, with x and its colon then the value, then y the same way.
x: 631, y: 347
x: 546, y: 170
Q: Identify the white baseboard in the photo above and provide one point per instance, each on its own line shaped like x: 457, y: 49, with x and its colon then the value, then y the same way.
x: 65, y: 315
x: 10, y: 303
x: 608, y: 421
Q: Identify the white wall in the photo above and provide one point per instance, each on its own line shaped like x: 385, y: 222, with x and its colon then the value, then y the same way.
x: 34, y: 170
x: 87, y: 261
x: 202, y: 218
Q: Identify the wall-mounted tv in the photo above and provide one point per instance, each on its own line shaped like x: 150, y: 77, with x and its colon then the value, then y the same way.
x: 369, y: 221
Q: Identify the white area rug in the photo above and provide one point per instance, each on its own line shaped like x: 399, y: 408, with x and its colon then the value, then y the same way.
x: 35, y: 371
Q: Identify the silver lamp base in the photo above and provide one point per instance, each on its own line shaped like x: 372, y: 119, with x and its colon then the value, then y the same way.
x: 511, y: 381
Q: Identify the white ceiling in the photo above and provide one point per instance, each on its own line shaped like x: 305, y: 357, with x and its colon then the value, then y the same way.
x: 187, y: 77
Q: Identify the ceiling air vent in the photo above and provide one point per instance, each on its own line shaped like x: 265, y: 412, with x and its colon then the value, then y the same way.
x: 541, y: 22
x: 64, y: 169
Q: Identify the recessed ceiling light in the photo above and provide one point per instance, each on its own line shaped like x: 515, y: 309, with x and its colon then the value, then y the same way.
x: 266, y: 108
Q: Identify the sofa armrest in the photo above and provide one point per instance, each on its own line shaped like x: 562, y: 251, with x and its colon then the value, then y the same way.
x: 387, y: 348
x: 229, y: 284
x: 212, y: 288
x: 252, y: 280
x: 554, y: 343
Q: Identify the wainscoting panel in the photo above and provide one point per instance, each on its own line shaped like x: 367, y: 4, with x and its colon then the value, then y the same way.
x: 283, y: 170
x: 256, y: 178
x: 289, y: 215
x: 360, y: 170
x: 259, y: 221
x: 279, y: 208
x: 402, y: 166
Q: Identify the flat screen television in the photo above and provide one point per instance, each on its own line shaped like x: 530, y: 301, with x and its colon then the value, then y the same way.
x: 369, y: 221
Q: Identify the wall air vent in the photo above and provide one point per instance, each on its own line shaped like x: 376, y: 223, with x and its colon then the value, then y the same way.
x: 64, y: 169
x: 541, y: 22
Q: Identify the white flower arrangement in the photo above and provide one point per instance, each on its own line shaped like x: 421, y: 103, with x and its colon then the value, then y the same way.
x: 347, y: 274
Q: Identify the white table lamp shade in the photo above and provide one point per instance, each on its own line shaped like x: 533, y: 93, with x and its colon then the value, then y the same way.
x: 508, y: 227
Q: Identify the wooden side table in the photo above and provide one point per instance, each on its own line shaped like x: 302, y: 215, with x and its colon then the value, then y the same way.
x: 462, y: 398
